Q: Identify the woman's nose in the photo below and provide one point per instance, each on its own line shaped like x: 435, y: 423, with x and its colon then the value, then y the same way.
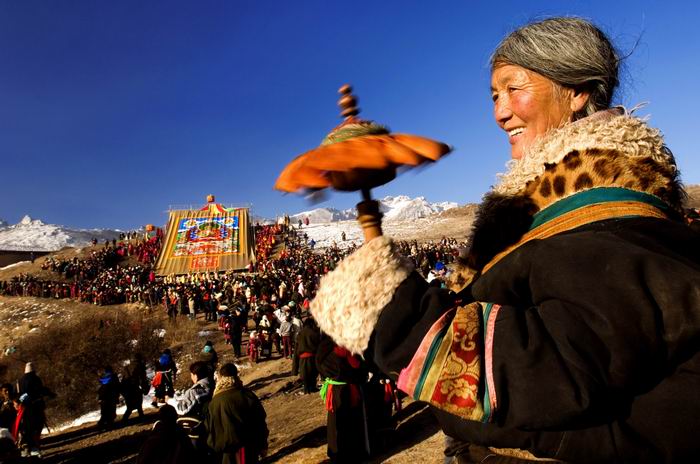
x: 501, y: 111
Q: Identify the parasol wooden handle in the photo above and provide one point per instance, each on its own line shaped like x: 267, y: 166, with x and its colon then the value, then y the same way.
x: 369, y: 216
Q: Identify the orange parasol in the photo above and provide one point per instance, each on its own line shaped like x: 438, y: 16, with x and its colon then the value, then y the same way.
x: 357, y: 155
x: 348, y: 155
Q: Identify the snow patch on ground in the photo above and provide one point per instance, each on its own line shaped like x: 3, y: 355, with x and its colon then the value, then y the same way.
x: 94, y: 416
x: 10, y: 266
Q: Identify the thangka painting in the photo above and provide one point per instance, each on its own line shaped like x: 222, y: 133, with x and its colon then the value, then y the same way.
x: 201, y: 236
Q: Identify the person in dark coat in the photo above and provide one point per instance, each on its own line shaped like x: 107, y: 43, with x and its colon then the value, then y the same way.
x: 168, y: 443
x: 575, y: 336
x: 235, y: 423
x: 304, y: 363
x: 131, y: 390
x: 238, y: 319
x: 108, y: 397
x: 31, y: 416
x: 345, y: 376
x: 164, y: 380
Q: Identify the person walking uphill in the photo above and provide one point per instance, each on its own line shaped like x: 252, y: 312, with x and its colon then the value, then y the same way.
x: 305, y: 355
x: 235, y: 423
x: 164, y: 380
x: 108, y: 396
x: 31, y: 417
x: 576, y: 336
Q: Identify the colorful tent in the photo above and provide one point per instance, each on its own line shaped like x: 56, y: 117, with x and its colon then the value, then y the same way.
x: 213, y: 238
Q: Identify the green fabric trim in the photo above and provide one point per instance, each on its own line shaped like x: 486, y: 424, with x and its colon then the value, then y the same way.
x: 434, y: 347
x: 324, y: 387
x: 353, y: 130
x: 486, y: 400
x: 591, y: 197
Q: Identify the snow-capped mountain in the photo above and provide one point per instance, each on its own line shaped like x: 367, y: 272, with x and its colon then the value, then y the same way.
x: 396, y: 208
x: 33, y: 235
x: 402, y: 207
x: 323, y: 215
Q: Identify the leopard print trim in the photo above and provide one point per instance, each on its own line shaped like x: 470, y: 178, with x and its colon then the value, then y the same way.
x: 591, y: 168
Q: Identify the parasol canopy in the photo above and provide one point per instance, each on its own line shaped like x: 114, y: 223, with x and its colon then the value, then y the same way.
x: 357, y: 155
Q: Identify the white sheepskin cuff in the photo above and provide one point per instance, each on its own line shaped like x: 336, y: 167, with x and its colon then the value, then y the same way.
x: 350, y: 299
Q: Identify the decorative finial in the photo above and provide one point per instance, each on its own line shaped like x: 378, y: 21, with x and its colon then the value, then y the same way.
x: 347, y: 102
x: 210, y: 198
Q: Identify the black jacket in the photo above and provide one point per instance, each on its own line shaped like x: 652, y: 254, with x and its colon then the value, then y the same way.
x: 236, y: 419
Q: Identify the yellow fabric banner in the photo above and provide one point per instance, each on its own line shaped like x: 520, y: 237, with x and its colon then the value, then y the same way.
x: 209, y: 240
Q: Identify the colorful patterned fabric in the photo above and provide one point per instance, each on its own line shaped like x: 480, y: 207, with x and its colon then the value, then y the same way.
x: 206, y: 240
x: 446, y: 370
x: 203, y: 236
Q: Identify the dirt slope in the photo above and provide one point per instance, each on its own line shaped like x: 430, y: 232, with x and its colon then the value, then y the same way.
x: 296, y: 421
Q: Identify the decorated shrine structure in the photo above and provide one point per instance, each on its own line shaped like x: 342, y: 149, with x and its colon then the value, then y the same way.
x: 210, y: 239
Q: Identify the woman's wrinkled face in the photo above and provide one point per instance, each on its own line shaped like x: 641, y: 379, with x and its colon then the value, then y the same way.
x: 526, y: 105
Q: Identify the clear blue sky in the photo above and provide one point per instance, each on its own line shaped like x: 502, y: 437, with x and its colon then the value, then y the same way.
x: 112, y: 110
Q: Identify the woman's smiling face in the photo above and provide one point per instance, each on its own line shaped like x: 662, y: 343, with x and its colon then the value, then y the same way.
x: 527, y: 105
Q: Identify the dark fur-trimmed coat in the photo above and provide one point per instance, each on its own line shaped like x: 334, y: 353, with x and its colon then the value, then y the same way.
x: 596, y: 345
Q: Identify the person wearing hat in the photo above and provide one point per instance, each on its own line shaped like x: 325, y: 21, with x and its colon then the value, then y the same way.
x: 235, y: 423
x: 31, y: 417
x: 108, y: 397
x: 163, y: 381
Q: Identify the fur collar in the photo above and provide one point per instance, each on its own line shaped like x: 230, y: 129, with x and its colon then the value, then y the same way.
x: 608, y: 149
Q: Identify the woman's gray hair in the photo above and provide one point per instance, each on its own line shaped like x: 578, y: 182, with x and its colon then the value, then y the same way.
x: 571, y: 52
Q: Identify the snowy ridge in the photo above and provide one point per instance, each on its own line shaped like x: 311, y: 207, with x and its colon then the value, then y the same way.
x: 397, y: 208
x: 33, y: 235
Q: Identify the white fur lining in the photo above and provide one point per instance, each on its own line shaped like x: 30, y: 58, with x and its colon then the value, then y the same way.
x: 625, y: 134
x: 351, y: 298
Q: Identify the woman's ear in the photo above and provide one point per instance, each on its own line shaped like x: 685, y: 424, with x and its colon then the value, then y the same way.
x: 578, y: 101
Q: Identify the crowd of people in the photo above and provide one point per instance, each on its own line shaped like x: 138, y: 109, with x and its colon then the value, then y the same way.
x: 293, y: 274
x: 98, y: 279
x: 270, y: 304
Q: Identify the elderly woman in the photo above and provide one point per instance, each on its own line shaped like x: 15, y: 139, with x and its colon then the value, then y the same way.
x: 576, y: 335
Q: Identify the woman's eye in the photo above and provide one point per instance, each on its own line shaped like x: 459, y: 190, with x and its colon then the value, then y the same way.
x: 494, y: 97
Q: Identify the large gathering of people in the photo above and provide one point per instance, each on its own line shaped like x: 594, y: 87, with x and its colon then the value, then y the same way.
x: 269, y: 303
